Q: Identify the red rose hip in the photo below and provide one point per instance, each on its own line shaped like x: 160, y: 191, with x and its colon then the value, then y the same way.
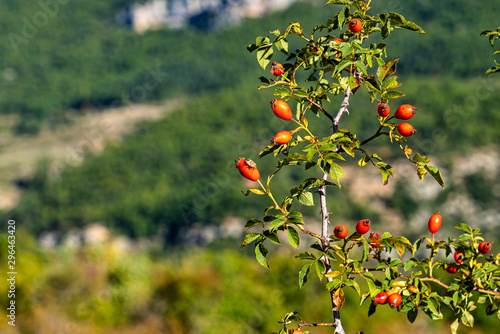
x: 340, y: 231
x: 363, y: 226
x: 247, y: 169
x: 383, y: 110
x: 435, y: 222
x: 405, y: 111
x: 406, y: 129
x: 277, y: 69
x: 281, y: 109
x: 355, y: 25
x: 380, y: 298
x: 484, y: 247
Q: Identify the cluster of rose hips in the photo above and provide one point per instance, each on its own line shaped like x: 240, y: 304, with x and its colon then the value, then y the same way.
x: 404, y: 112
x: 434, y: 225
x: 281, y: 109
x: 362, y: 227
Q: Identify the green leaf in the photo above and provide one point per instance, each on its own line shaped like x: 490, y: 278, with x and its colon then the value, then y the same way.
x: 260, y: 254
x: 464, y: 227
x: 273, y: 237
x: 295, y: 27
x: 362, y: 67
x: 372, y: 309
x: 386, y: 70
x: 336, y: 172
x: 253, y: 222
x: 283, y: 92
x: 412, y: 315
x: 276, y: 223
x: 339, y: 2
x: 306, y: 198
x: 304, y: 272
x: 436, y: 174
x: 413, y: 27
x: 249, y: 238
x: 306, y: 256
x: 293, y: 237
x: 320, y: 268
x: 454, y: 326
x: 386, y: 171
x: 264, y: 55
x: 282, y: 45
x: 300, y: 93
x: 257, y: 191
x: 467, y: 319
x: 392, y: 94
x: 419, y: 158
x: 343, y: 64
x: 493, y: 69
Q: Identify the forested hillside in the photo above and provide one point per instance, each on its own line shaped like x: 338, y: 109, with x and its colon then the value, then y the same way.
x: 178, y: 171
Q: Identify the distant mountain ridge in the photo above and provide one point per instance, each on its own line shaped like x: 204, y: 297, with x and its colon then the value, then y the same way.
x: 202, y: 14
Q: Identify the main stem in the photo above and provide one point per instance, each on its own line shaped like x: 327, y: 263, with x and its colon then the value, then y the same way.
x: 325, y: 216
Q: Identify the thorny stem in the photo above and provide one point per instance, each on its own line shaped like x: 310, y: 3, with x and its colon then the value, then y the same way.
x: 325, y: 215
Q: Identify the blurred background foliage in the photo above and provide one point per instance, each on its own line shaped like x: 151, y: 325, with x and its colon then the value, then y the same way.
x: 173, y: 179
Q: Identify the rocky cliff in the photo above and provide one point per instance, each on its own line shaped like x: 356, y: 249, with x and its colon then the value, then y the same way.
x: 203, y: 14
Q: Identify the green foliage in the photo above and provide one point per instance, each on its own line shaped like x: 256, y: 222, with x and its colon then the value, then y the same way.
x: 340, y: 66
x: 492, y: 36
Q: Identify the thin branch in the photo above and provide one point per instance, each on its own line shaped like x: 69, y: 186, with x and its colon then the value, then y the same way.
x: 317, y: 105
x: 309, y: 232
x: 444, y: 285
x: 343, y: 109
x: 318, y: 324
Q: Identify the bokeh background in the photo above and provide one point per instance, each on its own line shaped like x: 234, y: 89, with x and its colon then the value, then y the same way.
x: 119, y: 124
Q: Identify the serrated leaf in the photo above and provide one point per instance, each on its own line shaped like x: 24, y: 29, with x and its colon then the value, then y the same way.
x: 467, y: 319
x: 336, y: 172
x: 464, y: 227
x: 413, y: 27
x: 339, y: 2
x: 252, y: 222
x: 273, y: 237
x: 454, y: 326
x: 265, y: 80
x: 306, y: 256
x: 260, y: 254
x: 386, y: 70
x: 320, y: 268
x: 372, y: 309
x: 282, y: 45
x: 392, y: 94
x: 306, y: 198
x: 293, y: 237
x: 303, y: 274
x: 362, y: 67
x: 264, y: 55
x: 436, y: 174
x: 249, y: 238
x: 343, y: 64
x: 412, y: 315
x: 283, y: 92
x: 300, y: 93
x: 276, y: 223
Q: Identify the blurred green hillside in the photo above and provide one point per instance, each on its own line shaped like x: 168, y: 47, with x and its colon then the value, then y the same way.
x: 175, y: 176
